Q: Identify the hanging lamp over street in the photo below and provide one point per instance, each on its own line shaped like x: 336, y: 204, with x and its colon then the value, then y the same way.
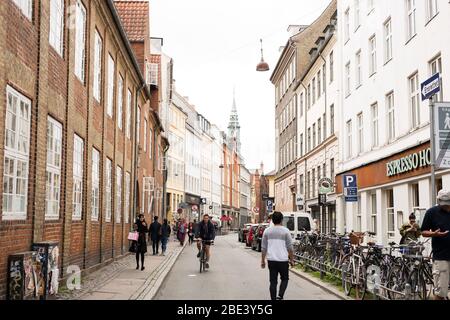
x: 262, y: 66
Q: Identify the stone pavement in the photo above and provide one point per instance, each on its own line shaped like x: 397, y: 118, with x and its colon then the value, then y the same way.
x: 121, y: 281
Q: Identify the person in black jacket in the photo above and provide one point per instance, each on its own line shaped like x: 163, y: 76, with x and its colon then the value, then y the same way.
x: 140, y: 246
x: 154, y: 232
x: 165, y: 234
x: 206, y: 232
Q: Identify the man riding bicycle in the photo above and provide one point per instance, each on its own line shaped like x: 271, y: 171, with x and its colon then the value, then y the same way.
x: 206, y: 233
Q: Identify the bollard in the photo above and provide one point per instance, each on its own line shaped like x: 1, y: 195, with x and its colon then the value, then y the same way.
x: 407, y: 291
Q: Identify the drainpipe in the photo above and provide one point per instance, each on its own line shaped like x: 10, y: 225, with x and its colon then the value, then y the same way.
x: 165, y: 173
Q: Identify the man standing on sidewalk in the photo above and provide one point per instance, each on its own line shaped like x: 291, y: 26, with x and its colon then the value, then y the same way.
x: 277, y: 247
x: 165, y: 235
x: 436, y: 225
x: 154, y: 232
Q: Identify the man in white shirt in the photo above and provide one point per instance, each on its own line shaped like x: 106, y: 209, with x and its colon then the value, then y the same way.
x: 277, y: 247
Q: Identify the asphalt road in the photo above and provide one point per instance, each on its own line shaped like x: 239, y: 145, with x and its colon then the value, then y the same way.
x: 234, y: 274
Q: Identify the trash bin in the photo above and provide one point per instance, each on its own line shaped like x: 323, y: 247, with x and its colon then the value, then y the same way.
x: 48, y: 255
x: 23, y: 276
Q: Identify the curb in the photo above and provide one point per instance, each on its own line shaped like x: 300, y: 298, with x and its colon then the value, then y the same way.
x: 155, y: 280
x: 320, y: 284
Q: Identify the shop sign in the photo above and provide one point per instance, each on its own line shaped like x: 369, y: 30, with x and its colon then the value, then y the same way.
x: 408, y: 163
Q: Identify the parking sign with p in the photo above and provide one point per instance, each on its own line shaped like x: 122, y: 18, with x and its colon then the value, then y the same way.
x: 350, y: 188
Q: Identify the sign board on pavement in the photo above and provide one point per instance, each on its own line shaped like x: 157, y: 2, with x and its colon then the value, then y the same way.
x: 350, y: 188
x: 430, y: 87
x: 300, y: 200
x: 442, y: 134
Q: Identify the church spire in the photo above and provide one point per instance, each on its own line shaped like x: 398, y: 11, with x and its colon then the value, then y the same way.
x: 234, y: 128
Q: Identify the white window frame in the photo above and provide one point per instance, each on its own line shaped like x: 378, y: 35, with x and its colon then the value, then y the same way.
x: 145, y: 135
x: 358, y: 69
x: 138, y: 128
x: 127, y: 197
x: 411, y: 25
x: 152, y: 73
x: 78, y: 156
x: 375, y: 127
x: 435, y: 66
x: 128, y: 124
x: 360, y: 133
x: 390, y: 211
x: 347, y: 25
x: 150, y: 143
x: 53, y: 169
x: 118, y: 194
x: 95, y: 188
x: 26, y: 7
x: 372, y: 55
x: 108, y: 193
x: 331, y: 66
x: 56, y: 29
x: 357, y: 14
x: 432, y: 9
x: 147, y: 193
x: 414, y: 100
x: 388, y: 40
x: 390, y: 107
x: 80, y: 41
x: 16, y: 151
x: 98, y: 58
x: 349, y: 139
x: 120, y: 103
x: 319, y: 84
x: 111, y: 85
x: 373, y: 213
x: 347, y: 79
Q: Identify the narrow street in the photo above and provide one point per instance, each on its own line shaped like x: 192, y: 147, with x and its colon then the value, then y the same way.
x: 234, y: 274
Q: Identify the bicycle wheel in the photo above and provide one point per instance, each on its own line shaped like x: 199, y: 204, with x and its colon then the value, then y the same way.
x: 361, y: 281
x: 347, y: 278
x: 202, y: 266
x: 396, y: 283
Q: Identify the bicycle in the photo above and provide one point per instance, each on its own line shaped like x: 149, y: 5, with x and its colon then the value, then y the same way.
x: 203, y: 257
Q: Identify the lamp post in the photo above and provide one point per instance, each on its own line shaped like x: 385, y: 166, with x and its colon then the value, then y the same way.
x: 262, y: 65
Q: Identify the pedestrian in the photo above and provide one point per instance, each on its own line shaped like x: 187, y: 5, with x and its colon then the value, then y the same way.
x: 182, y: 228
x: 140, y: 246
x: 410, y: 231
x: 191, y: 232
x: 436, y: 225
x: 278, y: 249
x: 165, y: 235
x: 154, y: 234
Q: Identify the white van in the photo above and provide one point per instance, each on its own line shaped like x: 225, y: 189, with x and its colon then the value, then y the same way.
x: 297, y: 222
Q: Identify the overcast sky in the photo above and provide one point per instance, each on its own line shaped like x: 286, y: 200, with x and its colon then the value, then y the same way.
x: 215, y: 47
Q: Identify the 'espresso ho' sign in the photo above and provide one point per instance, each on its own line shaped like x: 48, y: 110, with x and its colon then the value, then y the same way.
x: 408, y: 163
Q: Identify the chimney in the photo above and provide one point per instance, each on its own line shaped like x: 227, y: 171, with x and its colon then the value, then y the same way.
x: 262, y: 168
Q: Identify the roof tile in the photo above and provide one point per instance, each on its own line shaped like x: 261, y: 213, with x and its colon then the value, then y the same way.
x: 134, y: 17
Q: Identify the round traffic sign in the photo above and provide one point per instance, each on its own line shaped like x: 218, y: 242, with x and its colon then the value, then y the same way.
x: 255, y: 210
x: 194, y: 207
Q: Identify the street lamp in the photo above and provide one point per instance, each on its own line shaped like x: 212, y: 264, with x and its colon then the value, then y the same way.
x: 262, y: 65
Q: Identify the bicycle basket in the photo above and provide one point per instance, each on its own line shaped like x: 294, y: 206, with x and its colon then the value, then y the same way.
x: 356, y: 238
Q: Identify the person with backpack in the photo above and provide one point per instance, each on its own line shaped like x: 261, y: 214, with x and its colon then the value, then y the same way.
x: 165, y: 235
x: 182, y: 229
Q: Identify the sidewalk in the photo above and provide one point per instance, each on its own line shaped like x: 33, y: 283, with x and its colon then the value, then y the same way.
x: 121, y: 281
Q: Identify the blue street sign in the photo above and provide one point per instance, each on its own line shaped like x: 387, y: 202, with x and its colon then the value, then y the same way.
x: 430, y: 87
x: 350, y: 188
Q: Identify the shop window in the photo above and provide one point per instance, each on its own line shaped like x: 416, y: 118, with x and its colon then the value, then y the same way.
x: 390, y: 212
x: 373, y: 217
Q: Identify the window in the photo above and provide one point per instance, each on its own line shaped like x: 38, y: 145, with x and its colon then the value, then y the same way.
x: 15, y: 168
x: 374, y: 112
x: 347, y: 25
x: 360, y: 133
x: 53, y: 172
x: 95, y: 201
x: 26, y: 6
x: 313, y: 182
x: 347, y: 79
x: 349, y: 139
x: 302, y: 184
x: 373, y: 55
x: 78, y: 150
x: 128, y: 128
x: 414, y: 100
x: 314, y: 135
x: 358, y: 216
x: 308, y: 97
x: 152, y: 73
x: 390, y: 116
x: 373, y: 212
x: 56, y: 25
x: 319, y: 168
x: 314, y: 91
x: 111, y: 72
x: 145, y: 135
x: 120, y: 104
x: 301, y: 145
x: 119, y: 194
x: 319, y: 84
x: 98, y: 66
x: 357, y: 15
x: 358, y: 69
x: 331, y: 66
x: 324, y: 169
x: 332, y: 119
x: 411, y: 12
x: 332, y: 169
x: 324, y: 126
x: 432, y: 9
x: 108, y: 190
x: 436, y: 67
x: 388, y: 40
x: 138, y: 115
x: 415, y: 197
x: 80, y: 41
x: 150, y: 143
x: 127, y: 197
x: 301, y: 104
x: 324, y: 77
x: 309, y: 139
x: 370, y: 6
x: 319, y: 131
x: 308, y: 185
x: 390, y: 213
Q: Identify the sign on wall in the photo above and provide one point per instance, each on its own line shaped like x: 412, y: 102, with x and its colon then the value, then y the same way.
x: 430, y: 87
x: 350, y: 188
x: 442, y: 134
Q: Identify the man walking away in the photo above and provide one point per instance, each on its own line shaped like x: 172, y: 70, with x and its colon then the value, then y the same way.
x: 154, y: 232
x: 277, y: 247
x: 165, y: 235
x: 436, y: 225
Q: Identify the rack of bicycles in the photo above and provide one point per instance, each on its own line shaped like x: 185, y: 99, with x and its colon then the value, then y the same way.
x: 393, y: 272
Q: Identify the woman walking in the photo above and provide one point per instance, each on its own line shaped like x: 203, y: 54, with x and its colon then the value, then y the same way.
x: 181, y: 235
x: 140, y: 246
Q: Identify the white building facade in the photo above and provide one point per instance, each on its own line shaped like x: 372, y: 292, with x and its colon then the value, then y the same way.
x: 388, y: 48
x: 216, y: 172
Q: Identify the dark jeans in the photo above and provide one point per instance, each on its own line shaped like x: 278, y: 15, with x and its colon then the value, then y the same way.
x: 142, y: 254
x: 275, y: 268
x: 191, y: 239
x: 164, y: 244
x: 155, y: 246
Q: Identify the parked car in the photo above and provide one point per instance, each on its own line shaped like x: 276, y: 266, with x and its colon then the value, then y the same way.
x: 250, y: 234
x: 298, y: 223
x: 242, y: 234
x: 257, y: 237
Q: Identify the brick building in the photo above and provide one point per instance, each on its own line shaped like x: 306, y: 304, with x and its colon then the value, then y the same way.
x: 69, y: 88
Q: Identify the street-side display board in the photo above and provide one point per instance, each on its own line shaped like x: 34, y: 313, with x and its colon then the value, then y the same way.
x: 442, y: 134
